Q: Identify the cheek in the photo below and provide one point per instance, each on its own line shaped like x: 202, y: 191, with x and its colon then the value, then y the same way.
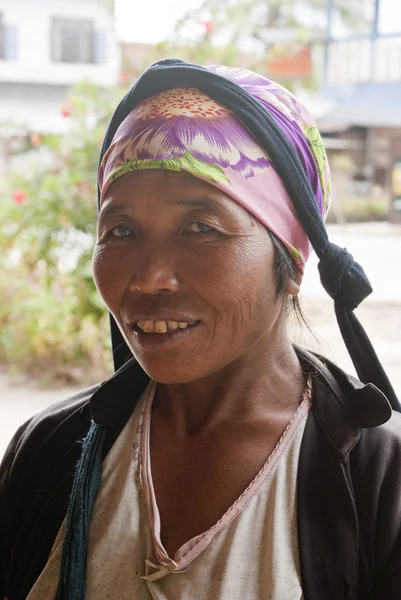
x: 257, y: 301
x: 108, y: 276
x: 239, y: 280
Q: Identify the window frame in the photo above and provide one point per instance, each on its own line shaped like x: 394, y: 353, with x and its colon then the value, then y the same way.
x: 60, y: 28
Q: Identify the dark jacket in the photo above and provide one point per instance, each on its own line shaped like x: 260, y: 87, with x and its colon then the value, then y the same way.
x: 348, y: 498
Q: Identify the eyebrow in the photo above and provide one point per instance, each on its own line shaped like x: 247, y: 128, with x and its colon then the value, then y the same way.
x: 199, y: 202
x: 112, y: 209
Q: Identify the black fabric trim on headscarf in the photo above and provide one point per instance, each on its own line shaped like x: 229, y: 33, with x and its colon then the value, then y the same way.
x: 343, y: 278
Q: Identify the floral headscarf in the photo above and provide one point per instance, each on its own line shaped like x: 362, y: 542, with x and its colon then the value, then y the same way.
x: 182, y: 129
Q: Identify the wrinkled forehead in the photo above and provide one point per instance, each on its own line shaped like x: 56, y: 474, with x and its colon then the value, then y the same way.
x: 163, y: 183
x: 161, y: 194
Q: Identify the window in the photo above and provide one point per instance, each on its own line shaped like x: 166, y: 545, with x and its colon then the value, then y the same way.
x: 2, y: 49
x: 8, y: 40
x: 73, y: 41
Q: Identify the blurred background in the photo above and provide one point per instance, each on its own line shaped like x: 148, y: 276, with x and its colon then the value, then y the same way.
x: 64, y: 65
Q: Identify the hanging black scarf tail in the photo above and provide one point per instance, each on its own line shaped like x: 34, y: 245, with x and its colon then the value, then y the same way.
x: 346, y: 282
x: 363, y: 354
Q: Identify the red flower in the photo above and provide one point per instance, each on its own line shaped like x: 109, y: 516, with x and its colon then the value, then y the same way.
x: 19, y: 196
x: 208, y: 27
x: 65, y: 112
x: 124, y: 78
x: 36, y: 139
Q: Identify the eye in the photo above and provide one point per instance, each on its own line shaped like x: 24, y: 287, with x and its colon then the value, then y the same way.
x: 198, y: 227
x: 122, y: 231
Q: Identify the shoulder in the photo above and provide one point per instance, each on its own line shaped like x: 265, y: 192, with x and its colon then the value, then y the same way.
x: 53, y: 423
x: 40, y: 445
x: 355, y: 417
x: 337, y: 393
x: 39, y: 460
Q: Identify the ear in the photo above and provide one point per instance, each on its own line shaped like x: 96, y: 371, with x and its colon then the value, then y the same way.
x: 293, y: 286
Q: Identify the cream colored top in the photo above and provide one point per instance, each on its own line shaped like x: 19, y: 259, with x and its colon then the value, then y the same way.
x: 251, y: 552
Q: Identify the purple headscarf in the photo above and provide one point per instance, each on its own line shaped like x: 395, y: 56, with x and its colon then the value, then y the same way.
x: 182, y: 129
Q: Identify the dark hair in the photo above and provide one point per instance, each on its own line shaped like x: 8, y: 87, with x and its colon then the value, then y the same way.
x: 286, y: 269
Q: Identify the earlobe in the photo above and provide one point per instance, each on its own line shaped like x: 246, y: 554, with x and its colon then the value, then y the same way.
x: 293, y: 287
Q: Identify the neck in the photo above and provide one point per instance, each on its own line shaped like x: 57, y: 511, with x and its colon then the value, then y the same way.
x: 267, y: 380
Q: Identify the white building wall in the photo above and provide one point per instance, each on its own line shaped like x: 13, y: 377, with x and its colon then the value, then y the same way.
x: 32, y: 22
x: 361, y: 61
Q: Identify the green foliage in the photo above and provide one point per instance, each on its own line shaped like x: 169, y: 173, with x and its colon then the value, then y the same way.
x: 359, y: 209
x: 52, y: 320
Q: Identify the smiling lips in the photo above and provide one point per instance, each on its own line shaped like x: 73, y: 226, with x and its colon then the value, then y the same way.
x: 162, y: 326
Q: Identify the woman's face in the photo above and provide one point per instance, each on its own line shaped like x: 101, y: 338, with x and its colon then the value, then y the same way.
x: 187, y: 273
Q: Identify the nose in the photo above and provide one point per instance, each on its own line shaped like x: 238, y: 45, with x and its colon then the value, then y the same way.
x: 154, y: 271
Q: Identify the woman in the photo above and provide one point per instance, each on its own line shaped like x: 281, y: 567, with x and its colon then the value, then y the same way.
x: 219, y: 461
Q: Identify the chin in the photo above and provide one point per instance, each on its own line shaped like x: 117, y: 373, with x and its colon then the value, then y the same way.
x: 165, y: 372
x: 171, y: 359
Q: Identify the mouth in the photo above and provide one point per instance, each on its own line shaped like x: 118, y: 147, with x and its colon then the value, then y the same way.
x: 163, y: 327
x: 153, y: 335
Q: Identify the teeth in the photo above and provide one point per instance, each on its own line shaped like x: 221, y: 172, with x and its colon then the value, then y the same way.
x: 162, y: 326
x: 147, y: 326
